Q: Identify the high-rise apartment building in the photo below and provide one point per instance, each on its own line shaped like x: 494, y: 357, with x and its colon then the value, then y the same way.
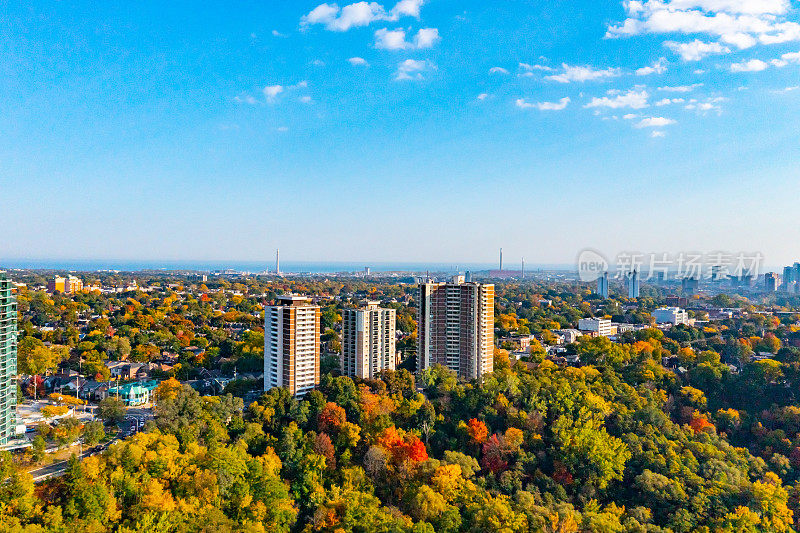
x: 455, y: 327
x: 788, y: 278
x: 368, y: 341
x: 796, y: 276
x: 771, y: 282
x: 8, y: 360
x: 602, y: 285
x: 633, y: 284
x: 291, y: 345
x: 690, y: 286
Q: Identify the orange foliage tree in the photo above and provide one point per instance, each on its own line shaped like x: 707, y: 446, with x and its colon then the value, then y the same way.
x: 402, y: 446
x: 477, y: 430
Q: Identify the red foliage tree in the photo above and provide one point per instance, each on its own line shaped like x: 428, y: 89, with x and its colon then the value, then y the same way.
x: 324, y: 447
x: 493, y: 455
x: 331, y: 418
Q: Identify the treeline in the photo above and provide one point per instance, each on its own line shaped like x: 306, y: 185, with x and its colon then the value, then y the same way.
x: 622, y: 445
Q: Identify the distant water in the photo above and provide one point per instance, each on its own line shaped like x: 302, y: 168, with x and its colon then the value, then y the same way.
x: 255, y: 266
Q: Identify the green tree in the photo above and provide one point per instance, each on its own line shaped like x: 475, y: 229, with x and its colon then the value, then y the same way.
x: 93, y: 433
x: 112, y: 410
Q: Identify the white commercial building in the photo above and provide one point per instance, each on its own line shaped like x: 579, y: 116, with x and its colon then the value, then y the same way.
x: 368, y: 341
x: 670, y: 315
x: 601, y: 326
x: 291, y: 345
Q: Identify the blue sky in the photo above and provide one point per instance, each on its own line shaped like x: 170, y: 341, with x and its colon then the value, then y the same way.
x: 412, y: 131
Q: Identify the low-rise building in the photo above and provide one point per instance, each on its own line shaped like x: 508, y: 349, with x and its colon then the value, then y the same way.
x: 127, y: 370
x: 600, y: 326
x: 520, y: 342
x: 568, y: 335
x: 137, y: 393
x: 670, y: 315
x: 65, y: 285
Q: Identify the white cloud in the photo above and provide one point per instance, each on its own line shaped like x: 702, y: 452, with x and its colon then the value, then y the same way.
x: 305, y: 99
x: 358, y: 14
x: 554, y: 106
x: 412, y: 69
x: 246, y: 99
x: 543, y: 106
x: 498, y: 70
x: 737, y: 22
x: 630, y: 116
x: 275, y: 33
x: 668, y: 101
x: 753, y: 65
x: 681, y: 88
x: 529, y: 67
x: 708, y: 105
x: 272, y: 91
x: 426, y: 38
x: 739, y: 40
x: 751, y: 7
x: 407, y: 7
x: 655, y: 122
x: 483, y: 96
x: 634, y: 99
x: 396, y: 39
x: 659, y: 67
x: 696, y: 50
x: 785, y: 32
x: 656, y: 134
x: 576, y: 73
x: 282, y: 129
x: 391, y: 40
x: 322, y: 14
x: 318, y: 63
x: 787, y: 89
x: 791, y: 57
x: 358, y: 61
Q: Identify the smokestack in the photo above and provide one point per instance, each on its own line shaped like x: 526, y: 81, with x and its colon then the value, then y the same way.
x: 523, y: 268
x: 501, y: 259
x: 278, y: 261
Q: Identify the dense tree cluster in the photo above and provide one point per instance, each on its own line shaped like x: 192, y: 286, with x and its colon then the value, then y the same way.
x: 612, y: 447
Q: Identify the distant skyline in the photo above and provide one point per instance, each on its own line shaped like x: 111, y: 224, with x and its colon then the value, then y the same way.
x: 409, y: 132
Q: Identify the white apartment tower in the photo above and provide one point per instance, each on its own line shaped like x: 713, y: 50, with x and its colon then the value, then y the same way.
x: 368, y: 341
x: 456, y: 327
x: 291, y: 345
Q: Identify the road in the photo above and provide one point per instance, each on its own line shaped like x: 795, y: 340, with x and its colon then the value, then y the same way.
x: 134, y: 422
x: 57, y: 469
